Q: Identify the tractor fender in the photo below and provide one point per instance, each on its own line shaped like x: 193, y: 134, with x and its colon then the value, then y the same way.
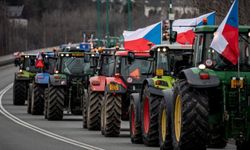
x: 97, y: 83
x: 193, y: 78
x: 136, y: 98
x: 42, y: 78
x: 19, y: 76
x: 152, y: 89
x: 121, y: 84
x: 168, y: 98
x: 55, y: 81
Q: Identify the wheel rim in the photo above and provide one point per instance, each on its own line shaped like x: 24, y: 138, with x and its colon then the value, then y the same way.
x: 163, y: 125
x: 133, y: 121
x: 177, y: 118
x: 146, y: 115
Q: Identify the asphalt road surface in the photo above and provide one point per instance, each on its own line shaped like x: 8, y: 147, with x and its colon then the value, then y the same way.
x: 22, y: 131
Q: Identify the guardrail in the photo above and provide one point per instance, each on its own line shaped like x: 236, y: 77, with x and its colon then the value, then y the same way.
x: 8, y: 59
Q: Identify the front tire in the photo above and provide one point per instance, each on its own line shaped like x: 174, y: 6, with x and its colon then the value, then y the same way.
x: 190, y: 117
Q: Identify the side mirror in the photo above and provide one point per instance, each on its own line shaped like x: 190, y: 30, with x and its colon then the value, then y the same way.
x: 152, y: 53
x: 131, y: 57
x: 173, y: 36
x: 86, y: 58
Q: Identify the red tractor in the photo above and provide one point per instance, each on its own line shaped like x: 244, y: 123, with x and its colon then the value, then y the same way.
x: 131, y: 68
x: 96, y: 88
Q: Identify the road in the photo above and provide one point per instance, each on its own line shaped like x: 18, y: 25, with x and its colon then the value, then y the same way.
x: 22, y: 131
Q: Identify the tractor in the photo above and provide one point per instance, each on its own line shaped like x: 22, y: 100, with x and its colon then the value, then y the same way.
x: 22, y: 78
x: 210, y: 101
x: 67, y: 84
x: 104, y: 68
x: 168, y: 60
x: 131, y: 68
x: 40, y: 83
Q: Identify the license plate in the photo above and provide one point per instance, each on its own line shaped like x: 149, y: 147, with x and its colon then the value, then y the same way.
x: 113, y: 87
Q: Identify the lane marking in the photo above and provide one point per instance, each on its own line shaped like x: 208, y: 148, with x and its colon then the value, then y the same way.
x: 40, y: 130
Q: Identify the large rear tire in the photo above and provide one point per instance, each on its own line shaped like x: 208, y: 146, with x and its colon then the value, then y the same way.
x: 135, y: 125
x: 149, y: 117
x: 111, y: 117
x: 190, y: 117
x: 46, y: 95
x: 37, y: 100
x: 29, y: 98
x: 20, y: 92
x: 165, y: 137
x: 55, y: 103
x: 94, y: 110
x: 84, y: 110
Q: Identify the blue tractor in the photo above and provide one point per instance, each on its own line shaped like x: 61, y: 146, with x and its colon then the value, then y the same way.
x: 46, y: 63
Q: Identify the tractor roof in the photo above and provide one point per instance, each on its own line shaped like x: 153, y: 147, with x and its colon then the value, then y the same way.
x: 28, y: 55
x: 213, y: 28
x: 139, y: 54
x: 173, y: 47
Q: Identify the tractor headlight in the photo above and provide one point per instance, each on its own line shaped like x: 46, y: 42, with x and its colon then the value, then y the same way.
x: 63, y: 82
x: 202, y: 67
x: 237, y: 82
x: 56, y: 72
x: 248, y: 34
x: 20, y: 70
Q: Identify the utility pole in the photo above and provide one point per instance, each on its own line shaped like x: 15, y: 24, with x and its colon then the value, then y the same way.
x: 107, y: 22
x: 129, y: 15
x: 171, y: 17
x: 99, y: 31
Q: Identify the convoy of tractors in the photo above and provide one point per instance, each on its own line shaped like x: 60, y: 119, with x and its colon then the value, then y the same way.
x: 178, y: 97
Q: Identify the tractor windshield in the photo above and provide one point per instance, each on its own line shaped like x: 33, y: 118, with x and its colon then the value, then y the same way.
x: 219, y: 62
x: 28, y: 64
x: 49, y: 65
x: 107, y: 65
x: 174, y: 60
x: 135, y: 71
x: 75, y: 66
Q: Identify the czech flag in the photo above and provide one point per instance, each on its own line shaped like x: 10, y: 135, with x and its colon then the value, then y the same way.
x: 138, y: 40
x: 184, y: 27
x: 226, y: 37
x: 39, y: 61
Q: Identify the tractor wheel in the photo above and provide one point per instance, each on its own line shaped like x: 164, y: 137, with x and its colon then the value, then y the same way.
x: 135, y: 125
x: 217, y: 137
x: 29, y: 98
x: 84, y: 111
x: 190, y: 117
x: 94, y: 110
x: 37, y: 100
x: 111, y: 121
x: 55, y: 103
x: 46, y: 95
x: 149, y: 118
x: 19, y: 92
x: 165, y: 137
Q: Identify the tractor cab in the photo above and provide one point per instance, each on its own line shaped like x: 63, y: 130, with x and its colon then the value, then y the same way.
x: 133, y: 68
x: 213, y: 60
x: 27, y: 64
x: 168, y: 61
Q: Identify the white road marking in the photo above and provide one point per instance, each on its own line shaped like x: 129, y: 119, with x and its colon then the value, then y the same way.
x: 39, y: 130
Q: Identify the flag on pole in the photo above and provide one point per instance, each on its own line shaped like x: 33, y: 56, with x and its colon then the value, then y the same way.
x: 139, y: 39
x: 39, y: 61
x: 226, y: 38
x: 184, y: 27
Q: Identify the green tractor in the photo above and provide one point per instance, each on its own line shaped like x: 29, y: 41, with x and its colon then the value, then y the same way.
x: 210, y: 102
x: 144, y: 106
x: 26, y: 73
x: 67, y: 85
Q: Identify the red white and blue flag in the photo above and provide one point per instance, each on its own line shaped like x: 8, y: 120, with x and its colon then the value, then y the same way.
x: 139, y: 39
x: 184, y: 27
x: 225, y: 40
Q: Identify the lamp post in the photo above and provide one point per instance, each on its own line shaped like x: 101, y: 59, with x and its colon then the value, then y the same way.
x: 129, y: 15
x: 99, y: 31
x: 107, y: 22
